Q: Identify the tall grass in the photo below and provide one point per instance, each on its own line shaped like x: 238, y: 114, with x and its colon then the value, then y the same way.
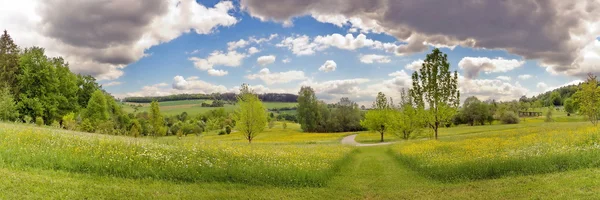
x: 515, y: 152
x: 293, y: 165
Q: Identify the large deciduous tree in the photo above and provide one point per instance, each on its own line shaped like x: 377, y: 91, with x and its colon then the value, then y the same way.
x: 308, y: 109
x: 408, y: 118
x: 588, y: 99
x: 251, y: 114
x: 435, y: 90
x: 97, y: 110
x: 8, y: 108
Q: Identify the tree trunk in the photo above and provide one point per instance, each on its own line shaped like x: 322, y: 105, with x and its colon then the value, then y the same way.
x: 381, y: 136
x: 435, y: 128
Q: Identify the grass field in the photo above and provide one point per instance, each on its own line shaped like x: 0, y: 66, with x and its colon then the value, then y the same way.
x: 193, y: 107
x: 525, y: 161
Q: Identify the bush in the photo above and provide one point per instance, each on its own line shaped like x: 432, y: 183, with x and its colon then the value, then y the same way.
x: 27, y: 119
x: 87, y: 126
x: 222, y: 132
x: 549, y: 116
x: 39, y: 121
x: 509, y: 117
x: 228, y: 130
x: 69, y: 121
x: 284, y: 124
x: 271, y: 124
x: 55, y: 124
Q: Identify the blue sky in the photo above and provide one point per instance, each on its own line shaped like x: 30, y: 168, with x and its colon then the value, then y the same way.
x: 172, y: 51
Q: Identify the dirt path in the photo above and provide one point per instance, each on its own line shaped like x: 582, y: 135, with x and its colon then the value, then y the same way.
x: 350, y: 140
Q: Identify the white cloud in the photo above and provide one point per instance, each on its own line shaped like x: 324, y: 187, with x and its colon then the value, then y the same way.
x: 504, y: 78
x: 486, y: 89
x: 277, y: 77
x: 266, y: 60
x: 286, y: 60
x: 374, y: 58
x: 541, y: 86
x: 217, y: 72
x: 218, y: 58
x: 106, y: 43
x: 328, y: 66
x: 299, y: 45
x: 261, y: 40
x: 473, y: 65
x: 525, y: 76
x: 252, y: 50
x: 181, y: 85
x: 231, y: 46
x: 113, y: 83
x: 332, y: 90
x: 415, y: 65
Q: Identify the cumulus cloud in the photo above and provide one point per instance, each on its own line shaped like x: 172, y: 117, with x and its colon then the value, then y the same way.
x: 286, y: 60
x: 328, y: 66
x: 265, y: 60
x: 525, y: 76
x: 252, y: 50
x: 541, y: 86
x: 558, y: 33
x: 332, y: 90
x: 181, y: 85
x: 415, y: 65
x: 277, y: 77
x: 374, y: 58
x: 486, y: 89
x: 233, y: 45
x: 473, y: 65
x: 114, y: 37
x: 113, y: 83
x: 218, y: 58
x: 302, y: 45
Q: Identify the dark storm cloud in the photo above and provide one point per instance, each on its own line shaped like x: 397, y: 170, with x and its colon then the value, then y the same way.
x: 99, y: 23
x: 534, y: 29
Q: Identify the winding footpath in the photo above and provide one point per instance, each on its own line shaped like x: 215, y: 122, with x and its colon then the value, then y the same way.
x: 350, y: 140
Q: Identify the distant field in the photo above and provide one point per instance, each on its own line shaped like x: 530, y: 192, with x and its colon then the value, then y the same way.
x: 194, y: 107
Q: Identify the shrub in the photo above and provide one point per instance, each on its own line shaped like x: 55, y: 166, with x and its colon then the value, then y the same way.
x: 228, y: 130
x: 284, y: 124
x: 549, y: 116
x: 271, y: 124
x: 509, y: 117
x: 222, y: 132
x: 55, y: 124
x: 179, y: 134
x: 27, y: 119
x: 39, y: 121
x: 87, y: 126
x: 69, y: 121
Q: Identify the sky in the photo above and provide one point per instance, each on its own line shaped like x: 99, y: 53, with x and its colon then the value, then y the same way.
x: 341, y: 48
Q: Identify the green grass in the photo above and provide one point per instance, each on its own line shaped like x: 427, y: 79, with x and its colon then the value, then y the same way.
x: 185, y: 160
x: 193, y: 107
x: 368, y: 173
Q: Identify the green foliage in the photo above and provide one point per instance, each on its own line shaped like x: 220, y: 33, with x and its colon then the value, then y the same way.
x: 27, y: 119
x: 46, y: 86
x: 549, y: 114
x: 228, y: 130
x: 8, y: 108
x: 378, y: 119
x: 588, y: 99
x: 308, y: 114
x: 555, y: 99
x: 55, y: 124
x: 156, y: 120
x: 222, y: 132
x: 271, y: 123
x: 39, y: 121
x: 135, y: 128
x: 570, y: 106
x: 69, y: 121
x: 284, y: 124
x: 97, y: 110
x: 475, y: 112
x: 509, y: 117
x: 251, y: 115
x: 435, y: 90
x: 408, y: 120
x: 87, y: 126
x: 9, y: 63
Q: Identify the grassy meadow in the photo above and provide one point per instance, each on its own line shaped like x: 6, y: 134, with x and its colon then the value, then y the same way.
x: 193, y: 107
x: 539, y: 160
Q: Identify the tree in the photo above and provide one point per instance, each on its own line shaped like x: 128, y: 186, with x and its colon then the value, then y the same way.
x: 68, y: 122
x: 97, y: 110
x: 378, y: 119
x: 346, y: 115
x: 435, y: 90
x: 308, y: 112
x: 156, y: 120
x: 549, y: 114
x: 135, y: 128
x: 569, y: 106
x: 8, y: 108
x: 408, y: 119
x: 588, y: 99
x: 251, y: 114
x: 9, y: 63
x: 555, y: 99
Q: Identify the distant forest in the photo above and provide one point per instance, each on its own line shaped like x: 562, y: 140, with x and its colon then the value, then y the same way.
x: 267, y: 97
